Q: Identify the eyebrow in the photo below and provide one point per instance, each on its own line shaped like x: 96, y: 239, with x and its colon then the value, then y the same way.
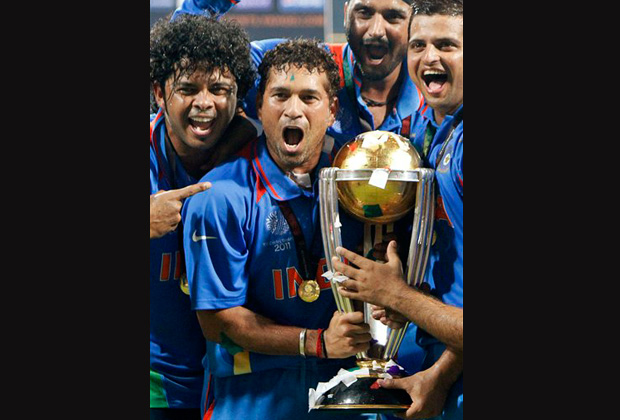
x: 437, y: 40
x: 283, y: 89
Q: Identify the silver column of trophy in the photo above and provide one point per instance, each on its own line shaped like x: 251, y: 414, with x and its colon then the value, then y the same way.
x: 378, y: 178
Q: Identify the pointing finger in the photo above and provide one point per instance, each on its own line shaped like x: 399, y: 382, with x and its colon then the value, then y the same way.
x: 192, y: 189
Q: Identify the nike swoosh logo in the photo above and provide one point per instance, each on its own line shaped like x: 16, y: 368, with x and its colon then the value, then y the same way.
x: 200, y: 238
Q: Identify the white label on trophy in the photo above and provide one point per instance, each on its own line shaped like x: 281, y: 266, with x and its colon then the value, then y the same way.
x: 337, y: 223
x: 379, y: 177
x: 373, y: 140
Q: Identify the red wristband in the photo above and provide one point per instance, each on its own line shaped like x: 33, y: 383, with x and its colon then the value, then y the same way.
x: 319, y: 347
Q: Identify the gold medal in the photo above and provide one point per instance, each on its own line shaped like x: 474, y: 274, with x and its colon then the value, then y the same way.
x: 184, y: 284
x: 308, y: 290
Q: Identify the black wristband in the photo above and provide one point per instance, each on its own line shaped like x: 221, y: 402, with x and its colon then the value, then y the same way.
x: 323, y: 344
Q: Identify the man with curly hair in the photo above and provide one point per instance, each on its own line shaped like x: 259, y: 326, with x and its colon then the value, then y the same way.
x: 199, y: 69
x: 253, y: 250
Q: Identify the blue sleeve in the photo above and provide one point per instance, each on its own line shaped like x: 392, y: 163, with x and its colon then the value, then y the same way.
x: 205, y: 7
x: 214, y: 241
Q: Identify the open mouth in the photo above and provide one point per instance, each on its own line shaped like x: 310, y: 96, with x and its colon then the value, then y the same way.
x: 376, y: 51
x: 434, y: 80
x: 292, y: 136
x: 201, y: 125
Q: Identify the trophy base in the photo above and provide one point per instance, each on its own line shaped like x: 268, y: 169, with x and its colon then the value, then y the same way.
x: 363, y: 397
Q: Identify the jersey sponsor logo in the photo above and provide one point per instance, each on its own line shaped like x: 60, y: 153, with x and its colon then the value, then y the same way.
x: 276, y: 224
x: 197, y: 238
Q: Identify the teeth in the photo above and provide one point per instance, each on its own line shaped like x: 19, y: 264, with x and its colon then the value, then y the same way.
x: 431, y: 72
x: 202, y: 119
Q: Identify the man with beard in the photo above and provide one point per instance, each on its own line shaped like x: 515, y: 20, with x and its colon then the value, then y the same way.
x: 253, y: 244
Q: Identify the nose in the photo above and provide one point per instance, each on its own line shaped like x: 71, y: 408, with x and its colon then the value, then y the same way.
x: 431, y: 54
x: 293, y: 107
x: 377, y: 26
x: 204, y: 100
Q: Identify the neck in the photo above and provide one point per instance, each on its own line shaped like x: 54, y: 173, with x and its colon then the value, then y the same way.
x: 192, y: 160
x: 383, y: 90
x: 440, y: 114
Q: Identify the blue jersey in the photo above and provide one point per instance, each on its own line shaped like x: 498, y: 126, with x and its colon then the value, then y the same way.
x: 445, y: 266
x: 240, y: 251
x: 176, y: 340
x: 354, y: 117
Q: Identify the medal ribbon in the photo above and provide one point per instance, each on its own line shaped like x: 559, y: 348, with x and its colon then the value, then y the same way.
x: 303, y: 255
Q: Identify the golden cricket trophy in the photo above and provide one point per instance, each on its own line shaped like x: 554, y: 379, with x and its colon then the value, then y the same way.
x: 378, y: 178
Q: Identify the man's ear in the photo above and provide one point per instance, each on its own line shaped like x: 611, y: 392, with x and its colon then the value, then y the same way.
x: 346, y: 6
x: 158, y: 91
x: 333, y: 110
x: 259, y: 105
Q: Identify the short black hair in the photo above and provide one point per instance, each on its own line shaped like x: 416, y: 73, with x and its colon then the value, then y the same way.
x: 438, y: 7
x: 301, y: 53
x: 192, y: 42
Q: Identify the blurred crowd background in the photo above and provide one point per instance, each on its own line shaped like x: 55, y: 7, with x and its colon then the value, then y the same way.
x: 319, y: 19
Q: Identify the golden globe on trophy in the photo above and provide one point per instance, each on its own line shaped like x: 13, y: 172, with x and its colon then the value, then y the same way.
x: 378, y: 178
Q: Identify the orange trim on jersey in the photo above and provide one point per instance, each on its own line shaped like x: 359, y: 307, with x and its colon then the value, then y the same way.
x: 440, y: 212
x: 337, y: 51
x: 209, y: 412
x: 260, y: 189
x: 246, y: 151
x: 164, y: 272
x: 405, y: 131
x: 260, y: 169
x: 421, y: 97
x: 159, y: 116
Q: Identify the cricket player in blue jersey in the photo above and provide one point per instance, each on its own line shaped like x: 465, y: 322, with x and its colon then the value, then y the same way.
x: 254, y: 253
x: 376, y: 91
x: 197, y: 91
x: 435, y: 61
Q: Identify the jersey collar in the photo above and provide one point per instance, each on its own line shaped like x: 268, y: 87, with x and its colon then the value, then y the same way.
x: 158, y: 142
x: 409, y: 98
x: 277, y: 184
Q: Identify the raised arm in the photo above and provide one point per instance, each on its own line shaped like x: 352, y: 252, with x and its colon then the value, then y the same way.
x: 205, y: 7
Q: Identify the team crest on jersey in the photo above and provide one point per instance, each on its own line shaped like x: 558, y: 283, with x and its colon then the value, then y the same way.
x: 276, y: 224
x: 444, y: 164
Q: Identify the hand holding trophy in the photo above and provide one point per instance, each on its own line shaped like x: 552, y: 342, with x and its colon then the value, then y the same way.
x: 378, y: 178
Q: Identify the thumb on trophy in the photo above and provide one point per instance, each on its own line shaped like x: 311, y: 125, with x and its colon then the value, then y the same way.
x: 389, y: 383
x: 392, y: 252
